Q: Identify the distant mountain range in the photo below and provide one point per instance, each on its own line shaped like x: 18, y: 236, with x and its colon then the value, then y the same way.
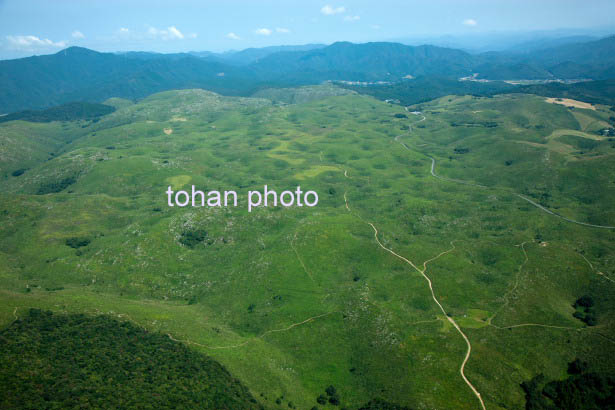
x: 79, y: 74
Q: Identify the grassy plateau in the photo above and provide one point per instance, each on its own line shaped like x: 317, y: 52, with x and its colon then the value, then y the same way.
x: 503, y: 205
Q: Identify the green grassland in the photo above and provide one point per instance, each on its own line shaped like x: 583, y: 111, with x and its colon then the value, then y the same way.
x: 292, y: 300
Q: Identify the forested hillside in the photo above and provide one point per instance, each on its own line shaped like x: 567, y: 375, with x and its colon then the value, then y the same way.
x: 53, y: 361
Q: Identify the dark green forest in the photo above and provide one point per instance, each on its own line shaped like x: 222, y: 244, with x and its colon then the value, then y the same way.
x: 581, y: 390
x: 75, y: 361
x: 595, y: 92
x: 423, y: 89
x: 65, y: 112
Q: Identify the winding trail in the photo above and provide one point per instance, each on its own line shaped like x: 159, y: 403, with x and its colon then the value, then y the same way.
x: 537, y: 205
x: 292, y: 245
x: 253, y: 338
x: 433, y: 173
x: 562, y: 217
x: 433, y: 295
x: 594, y: 269
x: 538, y: 325
x: 506, y: 298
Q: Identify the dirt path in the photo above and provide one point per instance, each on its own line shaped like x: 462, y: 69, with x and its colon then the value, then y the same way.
x: 562, y: 217
x: 538, y: 325
x: 433, y: 173
x: 542, y: 208
x: 253, y: 338
x: 594, y: 269
x: 433, y: 295
x: 435, y: 299
x: 506, y: 296
x: 292, y: 245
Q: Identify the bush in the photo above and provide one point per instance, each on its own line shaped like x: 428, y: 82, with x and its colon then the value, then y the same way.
x: 577, y: 367
x: 76, y: 242
x: 18, y: 172
x: 334, y: 400
x: 584, y: 301
x: 461, y: 150
x: 192, y: 238
x: 379, y: 404
x: 56, y: 186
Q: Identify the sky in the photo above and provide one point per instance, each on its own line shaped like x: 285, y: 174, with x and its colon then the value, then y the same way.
x: 34, y: 27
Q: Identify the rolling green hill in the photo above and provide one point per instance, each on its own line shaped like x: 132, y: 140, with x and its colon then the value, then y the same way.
x: 443, y: 265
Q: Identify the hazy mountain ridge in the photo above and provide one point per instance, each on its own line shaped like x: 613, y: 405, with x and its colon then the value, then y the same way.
x: 79, y: 74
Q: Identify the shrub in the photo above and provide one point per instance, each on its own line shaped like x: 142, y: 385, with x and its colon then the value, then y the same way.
x: 334, y: 400
x: 192, y: 238
x: 77, y: 242
x: 56, y: 186
x: 585, y: 301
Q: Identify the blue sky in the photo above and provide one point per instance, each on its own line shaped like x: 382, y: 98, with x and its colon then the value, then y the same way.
x: 30, y: 27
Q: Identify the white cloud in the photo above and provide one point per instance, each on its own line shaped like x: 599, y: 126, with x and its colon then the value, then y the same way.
x: 32, y: 42
x: 470, y: 22
x: 233, y: 36
x: 263, y: 31
x: 375, y: 26
x: 175, y: 33
x: 282, y: 30
x: 77, y: 34
x: 352, y: 18
x: 171, y: 33
x: 329, y: 10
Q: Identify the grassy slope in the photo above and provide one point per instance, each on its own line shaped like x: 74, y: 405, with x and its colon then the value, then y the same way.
x: 370, y: 313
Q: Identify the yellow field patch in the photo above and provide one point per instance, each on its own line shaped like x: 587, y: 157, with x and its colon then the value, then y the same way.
x: 281, y: 152
x: 555, y: 146
x: 570, y: 103
x: 315, y: 171
x: 284, y: 157
x: 168, y: 131
x: 446, y: 325
x: 478, y: 314
x: 178, y: 181
x: 470, y: 322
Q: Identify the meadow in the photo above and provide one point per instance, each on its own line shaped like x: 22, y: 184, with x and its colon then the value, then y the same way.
x: 292, y: 300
